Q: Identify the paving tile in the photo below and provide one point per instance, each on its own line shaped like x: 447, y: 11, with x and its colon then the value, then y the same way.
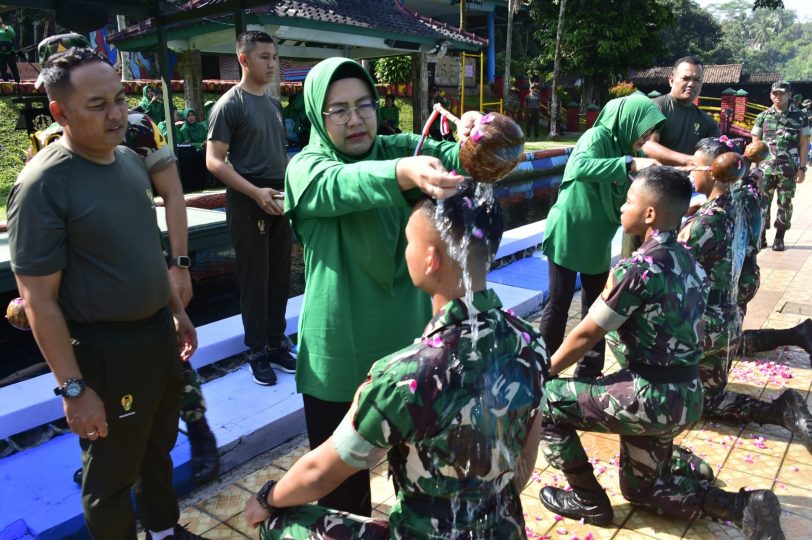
x: 226, y: 504
x: 382, y: 490
x: 733, y: 480
x: 795, y: 499
x: 798, y: 454
x: 224, y: 532
x: 771, y: 446
x: 287, y: 461
x: 239, y: 524
x: 254, y: 481
x: 746, y: 460
x: 657, y: 526
x: 795, y: 473
x: 599, y: 447
x: 706, y: 529
x: 197, y: 521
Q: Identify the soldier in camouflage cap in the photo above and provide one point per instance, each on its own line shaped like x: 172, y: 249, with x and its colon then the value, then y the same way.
x: 652, y: 306
x: 709, y: 236
x: 456, y: 413
x: 786, y: 131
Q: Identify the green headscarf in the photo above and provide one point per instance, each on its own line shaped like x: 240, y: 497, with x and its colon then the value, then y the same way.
x: 194, y: 133
x: 145, y: 99
x: 628, y: 118
x: 372, y: 235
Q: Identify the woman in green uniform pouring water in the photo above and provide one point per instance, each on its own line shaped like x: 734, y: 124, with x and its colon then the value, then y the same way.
x: 347, y: 195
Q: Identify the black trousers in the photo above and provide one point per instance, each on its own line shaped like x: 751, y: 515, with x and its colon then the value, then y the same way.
x: 322, y: 418
x: 532, y: 124
x: 262, y: 246
x: 9, y: 60
x: 554, y: 317
x: 136, y: 371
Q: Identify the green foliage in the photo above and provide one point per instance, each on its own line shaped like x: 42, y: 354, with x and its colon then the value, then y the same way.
x: 13, y: 144
x: 622, y: 89
x: 393, y: 69
x: 695, y: 32
x: 602, y: 37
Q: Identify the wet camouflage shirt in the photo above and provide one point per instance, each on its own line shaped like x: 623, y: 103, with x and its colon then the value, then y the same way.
x: 454, y: 420
x: 782, y: 132
x: 749, y: 197
x: 652, y: 305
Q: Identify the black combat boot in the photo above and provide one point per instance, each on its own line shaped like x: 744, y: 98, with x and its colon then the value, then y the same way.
x: 790, y: 411
x: 587, y: 500
x: 205, y: 456
x: 756, y: 512
x: 763, y: 239
x: 686, y: 463
x: 769, y: 339
x: 778, y: 243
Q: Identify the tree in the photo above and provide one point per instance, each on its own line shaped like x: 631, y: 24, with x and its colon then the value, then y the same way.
x: 393, y: 69
x: 513, y: 7
x: 554, y: 105
x: 695, y: 32
x: 602, y: 38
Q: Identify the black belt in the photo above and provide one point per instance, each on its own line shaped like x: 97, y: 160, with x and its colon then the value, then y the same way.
x: 665, y: 374
x: 274, y: 183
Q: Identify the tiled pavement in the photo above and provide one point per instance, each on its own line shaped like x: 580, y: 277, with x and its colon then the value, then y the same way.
x: 746, y: 456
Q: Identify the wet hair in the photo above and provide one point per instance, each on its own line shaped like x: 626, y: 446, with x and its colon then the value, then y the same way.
x: 247, y: 41
x: 670, y: 191
x: 715, y: 147
x: 479, y: 220
x: 56, y: 71
x: 693, y: 60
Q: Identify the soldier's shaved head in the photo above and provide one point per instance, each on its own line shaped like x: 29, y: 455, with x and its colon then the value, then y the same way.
x: 669, y: 190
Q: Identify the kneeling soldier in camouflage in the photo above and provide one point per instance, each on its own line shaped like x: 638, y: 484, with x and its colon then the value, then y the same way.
x: 654, y: 302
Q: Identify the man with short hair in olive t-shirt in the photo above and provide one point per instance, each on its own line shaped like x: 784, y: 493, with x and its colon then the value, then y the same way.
x: 247, y: 151
x: 685, y: 124
x: 86, y: 253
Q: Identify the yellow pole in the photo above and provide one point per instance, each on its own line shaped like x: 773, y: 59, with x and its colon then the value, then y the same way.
x: 462, y: 97
x: 481, y: 82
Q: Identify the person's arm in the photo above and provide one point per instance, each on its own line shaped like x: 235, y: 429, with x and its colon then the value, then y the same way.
x: 266, y: 198
x: 577, y: 343
x: 800, y: 176
x: 187, y: 335
x: 592, y: 164
x: 653, y: 149
x: 85, y: 414
x: 167, y: 184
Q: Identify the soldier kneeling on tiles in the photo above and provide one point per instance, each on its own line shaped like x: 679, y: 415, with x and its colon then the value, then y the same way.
x: 653, y: 302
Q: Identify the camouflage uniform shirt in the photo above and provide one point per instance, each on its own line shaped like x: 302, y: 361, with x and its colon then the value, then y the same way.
x: 659, y: 286
x: 749, y: 197
x: 782, y: 133
x: 454, y: 418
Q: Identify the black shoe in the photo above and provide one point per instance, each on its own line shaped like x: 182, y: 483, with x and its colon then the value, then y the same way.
x: 593, y: 508
x: 180, y: 534
x: 778, y: 244
x: 205, y: 456
x: 795, y: 416
x: 261, y: 368
x: 77, y: 476
x: 763, y: 244
x: 756, y: 512
x: 282, y: 359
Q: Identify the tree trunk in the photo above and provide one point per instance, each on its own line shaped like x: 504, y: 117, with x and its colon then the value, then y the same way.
x: 124, y: 56
x: 506, y: 80
x: 192, y: 73
x: 554, y: 105
x: 420, y: 91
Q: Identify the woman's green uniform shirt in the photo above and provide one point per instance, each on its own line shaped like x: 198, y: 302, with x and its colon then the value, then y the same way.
x: 581, y: 224
x: 350, y: 216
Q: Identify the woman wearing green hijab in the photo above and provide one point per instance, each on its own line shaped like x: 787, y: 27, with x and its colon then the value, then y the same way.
x: 346, y: 196
x: 151, y: 104
x: 586, y: 216
x: 192, y: 131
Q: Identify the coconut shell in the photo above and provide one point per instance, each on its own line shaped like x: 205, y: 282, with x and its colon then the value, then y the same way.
x: 494, y: 148
x: 728, y: 167
x: 757, y: 151
x: 15, y: 313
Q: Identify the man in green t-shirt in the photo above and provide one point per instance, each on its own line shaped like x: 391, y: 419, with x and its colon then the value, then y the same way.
x: 7, y: 56
x: 685, y: 123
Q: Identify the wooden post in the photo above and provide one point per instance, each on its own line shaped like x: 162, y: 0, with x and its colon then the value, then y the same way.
x: 420, y: 97
x: 166, y: 81
x: 192, y: 73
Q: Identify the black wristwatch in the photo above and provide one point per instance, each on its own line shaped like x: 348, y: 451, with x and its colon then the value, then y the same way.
x: 802, y: 168
x: 181, y: 261
x: 72, y: 388
x: 262, y: 496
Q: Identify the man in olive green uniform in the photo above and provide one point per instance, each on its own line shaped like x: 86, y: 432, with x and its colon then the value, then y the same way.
x: 786, y: 131
x: 652, y: 305
x: 8, y: 58
x: 685, y: 123
x: 85, y: 249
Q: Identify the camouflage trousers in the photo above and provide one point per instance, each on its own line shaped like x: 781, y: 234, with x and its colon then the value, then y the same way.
x: 192, y: 404
x: 646, y: 416
x: 779, y: 177
x: 309, y: 521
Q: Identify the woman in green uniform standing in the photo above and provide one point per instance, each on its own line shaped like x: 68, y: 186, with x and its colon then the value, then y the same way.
x: 586, y: 216
x: 347, y: 196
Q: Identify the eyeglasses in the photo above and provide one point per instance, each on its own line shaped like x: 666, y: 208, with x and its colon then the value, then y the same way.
x: 341, y: 115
